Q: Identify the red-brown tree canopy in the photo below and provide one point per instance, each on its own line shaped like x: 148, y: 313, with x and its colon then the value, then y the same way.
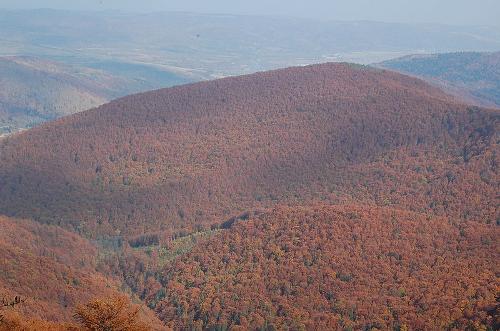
x: 201, y: 153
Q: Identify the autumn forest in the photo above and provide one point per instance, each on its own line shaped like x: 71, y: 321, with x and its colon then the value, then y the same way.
x: 325, y: 197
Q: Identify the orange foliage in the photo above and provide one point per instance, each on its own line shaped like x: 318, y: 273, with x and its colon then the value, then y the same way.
x: 16, y: 322
x: 107, y: 314
x: 115, y: 314
x: 197, y: 154
x: 53, y: 269
x: 322, y: 267
x: 412, y: 246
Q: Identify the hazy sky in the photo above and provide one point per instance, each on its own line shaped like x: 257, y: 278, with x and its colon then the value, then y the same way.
x: 438, y: 11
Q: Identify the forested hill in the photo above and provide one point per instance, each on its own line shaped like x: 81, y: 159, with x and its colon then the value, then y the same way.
x: 53, y: 271
x: 474, y: 77
x: 331, y: 196
x: 195, y: 155
x: 350, y: 267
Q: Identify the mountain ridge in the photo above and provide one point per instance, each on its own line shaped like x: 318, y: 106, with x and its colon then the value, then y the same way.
x: 36, y: 90
x: 471, y: 76
x: 235, y: 140
x: 303, y: 178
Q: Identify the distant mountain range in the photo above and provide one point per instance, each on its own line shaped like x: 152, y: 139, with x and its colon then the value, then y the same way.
x: 330, y: 196
x: 471, y: 76
x: 87, y: 58
x: 34, y: 90
x: 214, y: 45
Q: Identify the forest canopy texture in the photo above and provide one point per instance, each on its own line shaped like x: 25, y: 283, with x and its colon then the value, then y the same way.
x: 331, y: 196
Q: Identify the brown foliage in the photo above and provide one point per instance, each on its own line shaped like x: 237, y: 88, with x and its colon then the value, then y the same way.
x: 359, y: 267
x: 13, y: 321
x: 110, y: 314
x: 16, y: 322
x: 149, y: 168
x: 53, y: 269
x: 201, y: 153
x: 7, y: 303
x: 115, y: 313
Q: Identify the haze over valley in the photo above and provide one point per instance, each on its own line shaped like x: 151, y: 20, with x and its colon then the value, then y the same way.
x: 105, y: 55
x: 472, y: 76
x: 186, y: 171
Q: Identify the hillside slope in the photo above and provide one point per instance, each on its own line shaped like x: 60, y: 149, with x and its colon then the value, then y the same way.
x: 201, y: 153
x: 35, y: 90
x: 53, y: 268
x: 337, y: 268
x: 54, y: 271
x: 473, y: 77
